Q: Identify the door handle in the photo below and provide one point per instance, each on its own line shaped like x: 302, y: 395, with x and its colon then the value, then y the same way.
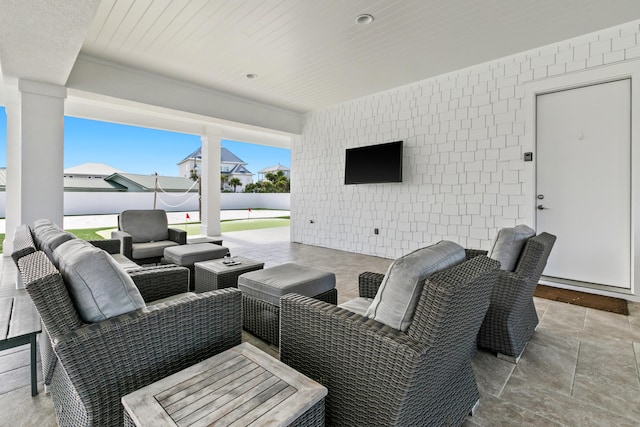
x: 541, y: 208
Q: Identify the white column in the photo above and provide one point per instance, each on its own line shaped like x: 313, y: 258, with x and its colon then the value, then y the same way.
x: 13, y: 205
x: 210, y: 178
x: 35, y: 154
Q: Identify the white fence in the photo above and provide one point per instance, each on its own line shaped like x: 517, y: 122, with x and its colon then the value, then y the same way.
x: 96, y: 203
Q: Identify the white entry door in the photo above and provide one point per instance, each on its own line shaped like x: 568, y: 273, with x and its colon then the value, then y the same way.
x: 583, y: 141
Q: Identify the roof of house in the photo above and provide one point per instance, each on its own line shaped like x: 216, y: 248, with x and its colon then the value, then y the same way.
x: 137, y: 182
x: 279, y: 167
x: 92, y: 169
x: 91, y: 184
x: 238, y: 170
x: 226, y: 156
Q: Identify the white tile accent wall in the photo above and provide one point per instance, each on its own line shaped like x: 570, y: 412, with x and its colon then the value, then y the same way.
x: 463, y: 132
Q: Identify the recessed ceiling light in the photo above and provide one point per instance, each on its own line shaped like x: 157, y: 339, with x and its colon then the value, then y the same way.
x: 364, y: 19
x: 252, y: 76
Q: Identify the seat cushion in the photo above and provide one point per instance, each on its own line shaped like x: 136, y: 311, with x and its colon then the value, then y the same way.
x: 508, y: 245
x: 145, y: 225
x: 99, y: 287
x: 150, y: 249
x: 396, y: 299
x: 189, y: 254
x: 272, y: 283
x: 358, y: 305
x: 48, y: 236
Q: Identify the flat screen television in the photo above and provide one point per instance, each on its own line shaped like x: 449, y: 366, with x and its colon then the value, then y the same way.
x: 374, y: 164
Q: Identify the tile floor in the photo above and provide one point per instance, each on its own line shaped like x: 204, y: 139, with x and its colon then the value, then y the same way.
x: 580, y: 369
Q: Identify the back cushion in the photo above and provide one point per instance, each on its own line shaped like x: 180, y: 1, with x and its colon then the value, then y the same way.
x: 49, y: 236
x: 99, y: 287
x: 397, y: 297
x: 508, y: 245
x: 145, y: 225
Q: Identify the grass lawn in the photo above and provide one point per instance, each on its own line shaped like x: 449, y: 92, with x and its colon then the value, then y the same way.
x: 192, y: 228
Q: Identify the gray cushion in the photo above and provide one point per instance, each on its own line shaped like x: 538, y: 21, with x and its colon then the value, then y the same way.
x: 272, y: 283
x: 189, y: 254
x: 49, y: 236
x: 357, y: 305
x: 145, y: 225
x: 150, y: 249
x: 397, y: 297
x: 508, y: 245
x: 99, y: 287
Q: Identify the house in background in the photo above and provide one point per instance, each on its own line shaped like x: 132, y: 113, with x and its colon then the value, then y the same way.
x: 231, y: 166
x: 274, y: 169
x: 90, y: 171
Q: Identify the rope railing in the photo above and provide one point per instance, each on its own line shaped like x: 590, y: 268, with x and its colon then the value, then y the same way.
x: 173, y: 193
x: 179, y: 204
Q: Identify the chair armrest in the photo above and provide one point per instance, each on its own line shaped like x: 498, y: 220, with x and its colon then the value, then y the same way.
x: 111, y: 246
x: 106, y: 360
x: 356, y: 358
x: 368, y: 284
x: 126, y: 242
x: 472, y: 253
x: 178, y: 236
x: 161, y: 281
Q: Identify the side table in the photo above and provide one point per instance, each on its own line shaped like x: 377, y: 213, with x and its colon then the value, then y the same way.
x: 214, y: 274
x: 240, y: 386
x: 19, y: 325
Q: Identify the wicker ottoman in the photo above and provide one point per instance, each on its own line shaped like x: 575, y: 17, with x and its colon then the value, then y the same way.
x: 262, y: 289
x: 187, y: 255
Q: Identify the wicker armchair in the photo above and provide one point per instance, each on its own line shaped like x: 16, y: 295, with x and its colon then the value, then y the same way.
x: 144, y: 234
x: 512, y: 318
x: 380, y: 376
x: 96, y: 364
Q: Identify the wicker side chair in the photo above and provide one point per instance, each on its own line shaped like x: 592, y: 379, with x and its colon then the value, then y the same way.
x: 98, y: 363
x: 380, y: 376
x: 512, y: 319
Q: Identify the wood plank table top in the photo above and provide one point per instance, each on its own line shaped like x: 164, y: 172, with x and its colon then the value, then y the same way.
x: 19, y: 325
x: 240, y: 386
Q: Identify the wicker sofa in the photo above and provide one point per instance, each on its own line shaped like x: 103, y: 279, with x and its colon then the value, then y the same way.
x: 380, y: 376
x: 89, y: 366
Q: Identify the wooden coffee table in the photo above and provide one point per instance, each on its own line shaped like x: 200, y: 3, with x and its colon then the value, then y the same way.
x: 214, y: 274
x: 240, y: 386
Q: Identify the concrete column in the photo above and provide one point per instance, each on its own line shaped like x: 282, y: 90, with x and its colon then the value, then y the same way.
x: 35, y: 155
x: 210, y: 177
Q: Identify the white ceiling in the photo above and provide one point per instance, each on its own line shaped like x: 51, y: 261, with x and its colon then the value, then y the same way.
x: 309, y: 54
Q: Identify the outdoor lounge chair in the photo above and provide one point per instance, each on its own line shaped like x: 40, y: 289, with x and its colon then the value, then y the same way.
x: 512, y: 318
x: 90, y: 365
x: 380, y: 376
x: 144, y: 234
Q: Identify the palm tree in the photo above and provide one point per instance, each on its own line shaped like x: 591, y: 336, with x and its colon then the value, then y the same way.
x: 234, y: 182
x: 224, y: 179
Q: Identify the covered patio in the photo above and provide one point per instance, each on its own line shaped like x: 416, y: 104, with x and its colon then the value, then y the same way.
x: 580, y: 368
x: 458, y: 84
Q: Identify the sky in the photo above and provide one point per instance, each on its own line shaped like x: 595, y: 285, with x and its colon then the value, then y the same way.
x: 143, y: 151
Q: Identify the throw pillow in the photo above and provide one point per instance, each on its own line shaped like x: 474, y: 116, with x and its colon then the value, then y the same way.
x: 398, y: 295
x: 99, y: 287
x: 508, y: 245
